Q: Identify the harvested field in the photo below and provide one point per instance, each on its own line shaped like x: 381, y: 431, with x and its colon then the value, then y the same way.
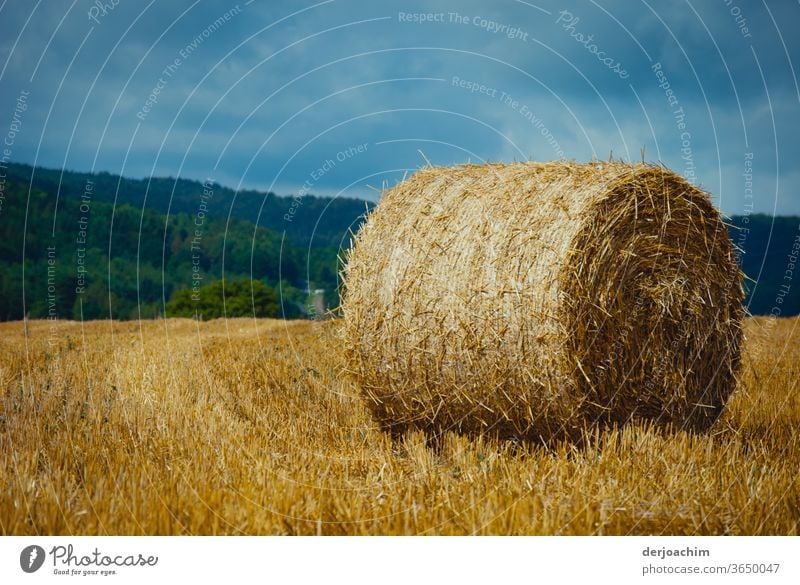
x: 248, y: 427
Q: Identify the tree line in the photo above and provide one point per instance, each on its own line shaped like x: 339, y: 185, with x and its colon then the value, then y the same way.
x: 93, y: 246
x: 79, y: 256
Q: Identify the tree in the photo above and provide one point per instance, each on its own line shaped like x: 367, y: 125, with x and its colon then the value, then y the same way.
x: 234, y: 298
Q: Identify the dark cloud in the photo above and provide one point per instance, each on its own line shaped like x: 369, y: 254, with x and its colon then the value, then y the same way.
x: 264, y: 94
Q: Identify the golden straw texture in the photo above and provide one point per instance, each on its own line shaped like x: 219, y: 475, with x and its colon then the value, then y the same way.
x: 531, y: 300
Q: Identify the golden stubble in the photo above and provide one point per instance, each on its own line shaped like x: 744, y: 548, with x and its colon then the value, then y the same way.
x: 250, y: 427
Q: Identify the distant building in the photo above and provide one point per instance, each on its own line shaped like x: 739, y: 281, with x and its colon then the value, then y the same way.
x: 318, y: 308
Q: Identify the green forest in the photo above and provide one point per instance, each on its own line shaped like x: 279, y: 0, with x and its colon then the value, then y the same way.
x: 95, y: 245
x: 100, y: 246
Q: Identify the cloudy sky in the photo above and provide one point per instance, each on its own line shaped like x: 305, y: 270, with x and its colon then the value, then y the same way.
x: 343, y: 96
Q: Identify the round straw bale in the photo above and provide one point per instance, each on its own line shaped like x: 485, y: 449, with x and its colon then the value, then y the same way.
x: 532, y: 300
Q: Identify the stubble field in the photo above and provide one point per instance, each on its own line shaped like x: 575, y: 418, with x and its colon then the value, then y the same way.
x: 249, y: 427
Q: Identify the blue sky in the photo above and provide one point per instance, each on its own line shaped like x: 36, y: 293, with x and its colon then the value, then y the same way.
x: 341, y: 97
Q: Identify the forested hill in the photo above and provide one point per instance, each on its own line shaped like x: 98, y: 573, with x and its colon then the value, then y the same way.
x: 97, y: 254
x: 100, y: 255
x: 308, y: 220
